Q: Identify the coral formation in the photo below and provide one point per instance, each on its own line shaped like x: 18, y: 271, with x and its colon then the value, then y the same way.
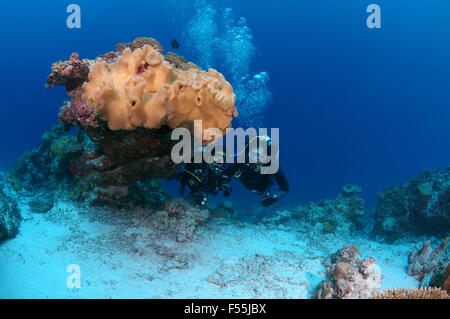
x: 413, y: 293
x: 125, y: 104
x: 139, y: 43
x: 179, y: 219
x: 344, y: 213
x: 348, y: 277
x: 419, y: 207
x: 48, y: 165
x: 143, y: 90
x: 9, y: 216
x: 422, y: 262
x: 70, y: 73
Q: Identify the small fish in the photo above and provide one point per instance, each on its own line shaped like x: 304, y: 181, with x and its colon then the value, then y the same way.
x: 175, y: 44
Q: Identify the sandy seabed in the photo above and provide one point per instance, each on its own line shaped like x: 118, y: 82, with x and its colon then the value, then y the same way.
x: 121, y: 256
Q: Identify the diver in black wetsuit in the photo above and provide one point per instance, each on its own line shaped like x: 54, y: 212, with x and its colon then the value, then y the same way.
x: 253, y: 180
x: 204, y: 179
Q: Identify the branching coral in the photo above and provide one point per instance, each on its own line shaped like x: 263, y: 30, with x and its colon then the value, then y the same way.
x: 144, y: 90
x: 413, y: 293
x: 423, y: 262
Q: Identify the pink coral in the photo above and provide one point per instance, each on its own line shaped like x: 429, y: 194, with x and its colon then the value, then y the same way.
x: 72, y: 73
x: 349, y: 277
x: 77, y: 113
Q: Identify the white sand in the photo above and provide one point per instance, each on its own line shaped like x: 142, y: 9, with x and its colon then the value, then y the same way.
x: 122, y: 257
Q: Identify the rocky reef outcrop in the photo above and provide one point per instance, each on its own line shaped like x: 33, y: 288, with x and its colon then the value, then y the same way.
x: 342, y: 214
x: 423, y: 262
x: 418, y: 207
x: 125, y: 105
x: 51, y: 164
x: 349, y: 277
x: 9, y: 216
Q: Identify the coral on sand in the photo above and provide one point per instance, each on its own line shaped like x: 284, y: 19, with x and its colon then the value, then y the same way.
x: 418, y: 207
x: 413, y: 293
x: 179, y: 219
x: 422, y: 262
x: 349, y: 277
x: 144, y: 90
x: 9, y: 216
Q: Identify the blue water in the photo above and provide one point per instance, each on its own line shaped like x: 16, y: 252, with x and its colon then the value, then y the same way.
x: 354, y: 105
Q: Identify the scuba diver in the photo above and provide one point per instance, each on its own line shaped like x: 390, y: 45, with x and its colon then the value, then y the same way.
x: 204, y: 179
x: 251, y: 177
x: 249, y: 174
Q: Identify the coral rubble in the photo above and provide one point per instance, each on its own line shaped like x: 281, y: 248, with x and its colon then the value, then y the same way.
x: 349, y: 277
x: 179, y: 219
x: 418, y: 207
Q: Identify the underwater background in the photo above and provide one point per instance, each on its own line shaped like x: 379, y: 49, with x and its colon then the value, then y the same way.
x: 354, y: 105
x: 369, y: 107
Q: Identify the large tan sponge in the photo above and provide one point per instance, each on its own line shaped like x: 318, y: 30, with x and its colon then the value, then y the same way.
x: 144, y: 90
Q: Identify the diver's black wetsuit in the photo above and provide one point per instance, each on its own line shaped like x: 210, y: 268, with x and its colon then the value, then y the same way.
x: 251, y: 177
x: 204, y: 179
